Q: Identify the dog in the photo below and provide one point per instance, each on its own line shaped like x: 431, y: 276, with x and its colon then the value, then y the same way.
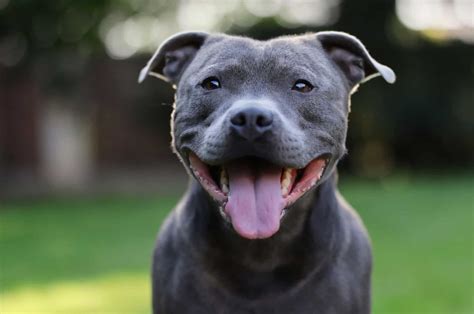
x: 260, y: 126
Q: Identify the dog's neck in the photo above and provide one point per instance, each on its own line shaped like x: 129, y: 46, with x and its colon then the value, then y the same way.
x: 306, y: 240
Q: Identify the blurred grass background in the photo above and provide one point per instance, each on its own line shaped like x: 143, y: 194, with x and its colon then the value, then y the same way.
x: 93, y: 255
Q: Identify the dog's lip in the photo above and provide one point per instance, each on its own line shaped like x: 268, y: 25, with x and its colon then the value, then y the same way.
x: 308, y: 177
x: 202, y: 172
x: 311, y: 174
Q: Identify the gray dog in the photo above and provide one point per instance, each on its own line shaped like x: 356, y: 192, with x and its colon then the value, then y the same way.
x: 261, y: 125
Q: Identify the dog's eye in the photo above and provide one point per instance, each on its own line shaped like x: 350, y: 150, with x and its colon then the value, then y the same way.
x: 302, y: 86
x: 211, y: 83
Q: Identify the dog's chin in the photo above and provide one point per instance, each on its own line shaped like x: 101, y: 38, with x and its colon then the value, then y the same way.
x: 253, y: 194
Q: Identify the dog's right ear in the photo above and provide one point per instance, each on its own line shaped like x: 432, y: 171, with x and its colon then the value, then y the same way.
x: 173, y: 56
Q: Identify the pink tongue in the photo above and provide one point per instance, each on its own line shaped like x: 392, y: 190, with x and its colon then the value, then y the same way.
x: 255, y: 202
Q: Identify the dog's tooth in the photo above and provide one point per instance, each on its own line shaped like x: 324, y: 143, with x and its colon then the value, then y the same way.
x: 321, y: 172
x: 287, y: 178
x: 223, y: 177
x: 224, y: 181
x: 225, y: 188
x: 224, y: 214
x: 285, y: 184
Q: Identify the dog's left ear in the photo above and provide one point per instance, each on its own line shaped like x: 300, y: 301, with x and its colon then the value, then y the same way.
x: 173, y: 56
x: 353, y: 58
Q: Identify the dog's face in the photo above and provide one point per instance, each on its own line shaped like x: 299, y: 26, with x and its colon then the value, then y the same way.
x: 259, y: 123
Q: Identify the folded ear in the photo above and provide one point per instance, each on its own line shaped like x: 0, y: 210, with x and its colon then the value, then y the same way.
x: 173, y: 56
x: 352, y: 58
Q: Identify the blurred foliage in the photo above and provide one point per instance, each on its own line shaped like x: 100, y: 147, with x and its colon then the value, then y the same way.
x: 423, y: 121
x: 47, y: 26
x: 93, y: 255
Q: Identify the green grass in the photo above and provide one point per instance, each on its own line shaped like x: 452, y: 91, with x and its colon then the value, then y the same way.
x: 422, y: 236
x: 93, y: 255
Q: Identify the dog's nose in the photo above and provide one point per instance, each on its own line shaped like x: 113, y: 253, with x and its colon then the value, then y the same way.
x: 251, y: 122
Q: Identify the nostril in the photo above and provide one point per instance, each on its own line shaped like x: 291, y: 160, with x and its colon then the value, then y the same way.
x: 239, y: 119
x: 263, y: 120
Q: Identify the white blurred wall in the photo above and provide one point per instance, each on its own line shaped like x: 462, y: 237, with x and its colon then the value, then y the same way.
x: 66, y: 146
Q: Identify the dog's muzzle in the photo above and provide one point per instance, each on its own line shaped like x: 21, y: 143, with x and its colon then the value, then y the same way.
x: 253, y: 193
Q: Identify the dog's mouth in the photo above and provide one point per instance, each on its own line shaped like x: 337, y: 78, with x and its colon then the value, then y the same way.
x: 253, y: 193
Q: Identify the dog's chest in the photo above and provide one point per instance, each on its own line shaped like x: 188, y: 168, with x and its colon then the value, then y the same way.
x: 318, y: 295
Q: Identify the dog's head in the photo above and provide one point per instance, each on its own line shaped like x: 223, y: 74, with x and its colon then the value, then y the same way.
x: 259, y: 123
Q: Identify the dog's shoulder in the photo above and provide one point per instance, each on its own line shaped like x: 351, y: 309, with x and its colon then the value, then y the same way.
x: 165, y: 265
x: 355, y: 259
x: 357, y: 243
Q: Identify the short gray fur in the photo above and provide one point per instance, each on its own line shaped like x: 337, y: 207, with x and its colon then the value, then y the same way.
x: 320, y: 259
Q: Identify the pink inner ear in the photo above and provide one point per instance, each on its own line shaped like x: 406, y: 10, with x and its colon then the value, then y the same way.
x: 349, y: 64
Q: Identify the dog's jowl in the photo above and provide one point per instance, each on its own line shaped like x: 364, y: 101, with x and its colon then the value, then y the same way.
x: 260, y: 127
